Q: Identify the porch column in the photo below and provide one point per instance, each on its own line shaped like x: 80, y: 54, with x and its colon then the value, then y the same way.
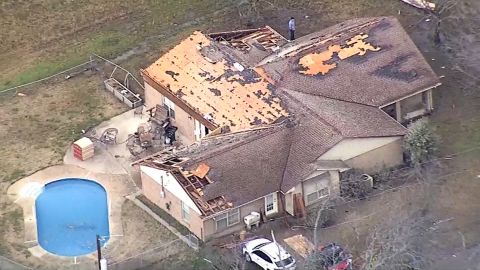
x: 398, y: 111
x: 429, y: 100
x: 334, y: 182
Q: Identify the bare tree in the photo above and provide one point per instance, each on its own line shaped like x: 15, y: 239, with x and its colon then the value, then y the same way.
x: 394, y: 245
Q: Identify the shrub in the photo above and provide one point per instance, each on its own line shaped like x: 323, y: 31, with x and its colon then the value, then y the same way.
x: 420, y: 142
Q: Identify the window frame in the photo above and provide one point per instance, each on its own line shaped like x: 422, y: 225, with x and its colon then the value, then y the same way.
x: 237, y: 216
x: 169, y: 106
x: 268, y: 204
x: 227, y: 216
x: 319, y: 195
x: 185, y: 212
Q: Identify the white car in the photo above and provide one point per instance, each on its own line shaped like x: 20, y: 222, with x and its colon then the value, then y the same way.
x: 268, y: 255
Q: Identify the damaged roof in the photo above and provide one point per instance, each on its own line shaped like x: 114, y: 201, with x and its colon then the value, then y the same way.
x: 216, y: 85
x: 328, y: 86
x: 251, y: 45
x: 369, y: 61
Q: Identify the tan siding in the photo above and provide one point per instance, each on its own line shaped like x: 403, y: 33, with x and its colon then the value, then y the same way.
x: 209, y: 224
x: 389, y: 155
x: 152, y: 189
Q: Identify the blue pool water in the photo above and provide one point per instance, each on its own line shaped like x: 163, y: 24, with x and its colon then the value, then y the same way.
x: 70, y: 213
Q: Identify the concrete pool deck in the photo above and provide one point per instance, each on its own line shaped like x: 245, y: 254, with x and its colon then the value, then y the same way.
x: 25, y: 191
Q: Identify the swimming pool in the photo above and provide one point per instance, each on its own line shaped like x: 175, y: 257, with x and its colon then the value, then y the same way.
x: 70, y: 213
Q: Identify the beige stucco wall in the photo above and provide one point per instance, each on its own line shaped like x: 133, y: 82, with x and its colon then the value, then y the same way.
x: 209, y: 224
x: 350, y: 148
x: 184, y: 122
x: 152, y: 97
x: 151, y: 189
x: 388, y: 155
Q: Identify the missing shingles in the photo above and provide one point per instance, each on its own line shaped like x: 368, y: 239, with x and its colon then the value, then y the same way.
x: 172, y: 74
x: 258, y: 94
x: 180, y: 93
x: 268, y: 99
x: 215, y: 91
x: 393, y: 70
x: 256, y: 121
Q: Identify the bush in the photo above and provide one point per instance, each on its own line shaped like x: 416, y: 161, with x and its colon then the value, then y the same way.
x: 420, y: 142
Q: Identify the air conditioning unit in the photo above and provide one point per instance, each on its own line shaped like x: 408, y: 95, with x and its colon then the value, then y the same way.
x: 252, y: 220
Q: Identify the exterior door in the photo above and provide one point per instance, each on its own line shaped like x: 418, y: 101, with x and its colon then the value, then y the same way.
x: 271, y: 204
x: 200, y: 130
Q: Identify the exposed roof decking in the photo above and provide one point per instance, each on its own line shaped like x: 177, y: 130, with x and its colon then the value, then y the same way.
x: 198, y: 73
x: 383, y: 64
x: 251, y: 45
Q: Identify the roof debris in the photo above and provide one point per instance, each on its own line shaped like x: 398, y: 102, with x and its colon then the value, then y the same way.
x: 202, y: 170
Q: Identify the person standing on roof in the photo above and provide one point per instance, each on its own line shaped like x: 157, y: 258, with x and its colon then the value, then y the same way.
x: 291, y: 28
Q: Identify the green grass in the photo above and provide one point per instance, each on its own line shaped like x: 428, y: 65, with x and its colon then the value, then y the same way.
x: 109, y: 39
x: 106, y: 44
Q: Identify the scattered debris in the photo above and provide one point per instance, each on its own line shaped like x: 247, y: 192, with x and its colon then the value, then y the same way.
x: 202, y: 170
x: 300, y: 244
x: 109, y: 136
x: 21, y: 95
x: 422, y: 4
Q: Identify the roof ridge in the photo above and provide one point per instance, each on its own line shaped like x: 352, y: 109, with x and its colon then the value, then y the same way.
x: 219, y: 149
x: 313, y: 113
x: 323, y: 96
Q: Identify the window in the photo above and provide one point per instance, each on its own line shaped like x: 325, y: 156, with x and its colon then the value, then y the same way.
x: 262, y: 255
x: 316, y: 195
x: 269, y: 203
x: 185, y: 212
x: 170, y: 107
x: 228, y: 219
x: 233, y: 217
x: 200, y: 130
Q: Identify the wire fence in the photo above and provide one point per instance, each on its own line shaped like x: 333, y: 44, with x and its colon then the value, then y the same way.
x: 96, y: 64
x: 152, y: 256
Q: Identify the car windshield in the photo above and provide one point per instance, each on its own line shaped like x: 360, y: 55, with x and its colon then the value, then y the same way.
x: 284, y: 262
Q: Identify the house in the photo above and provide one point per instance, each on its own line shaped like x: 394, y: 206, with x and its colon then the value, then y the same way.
x: 276, y: 123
